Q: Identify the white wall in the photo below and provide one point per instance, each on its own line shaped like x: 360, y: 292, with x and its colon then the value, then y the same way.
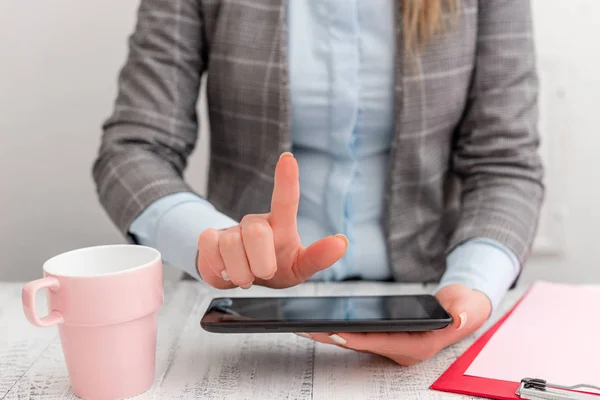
x: 58, y: 66
x: 569, y: 54
x: 57, y: 84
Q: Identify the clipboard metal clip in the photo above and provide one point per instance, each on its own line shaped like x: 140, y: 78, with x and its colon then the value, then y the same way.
x: 539, y: 389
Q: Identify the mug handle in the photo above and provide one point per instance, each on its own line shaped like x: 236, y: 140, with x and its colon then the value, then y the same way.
x: 28, y: 298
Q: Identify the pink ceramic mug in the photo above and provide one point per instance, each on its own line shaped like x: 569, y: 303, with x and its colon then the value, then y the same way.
x: 105, y: 301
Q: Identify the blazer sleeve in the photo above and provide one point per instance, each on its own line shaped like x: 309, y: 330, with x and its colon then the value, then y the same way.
x: 496, y: 154
x: 153, y: 127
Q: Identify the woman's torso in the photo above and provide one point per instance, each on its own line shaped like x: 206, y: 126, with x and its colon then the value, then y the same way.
x: 250, y: 107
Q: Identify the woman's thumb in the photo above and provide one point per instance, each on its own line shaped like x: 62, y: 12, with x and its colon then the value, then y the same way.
x: 321, y: 254
x: 458, y: 300
x: 460, y: 318
x: 458, y: 308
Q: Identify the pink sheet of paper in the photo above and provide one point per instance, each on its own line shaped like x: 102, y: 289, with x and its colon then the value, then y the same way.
x: 554, y: 334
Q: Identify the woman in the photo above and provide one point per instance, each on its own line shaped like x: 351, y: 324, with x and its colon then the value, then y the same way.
x: 396, y: 139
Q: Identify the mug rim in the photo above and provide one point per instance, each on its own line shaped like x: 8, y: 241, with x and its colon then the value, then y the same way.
x: 157, y: 257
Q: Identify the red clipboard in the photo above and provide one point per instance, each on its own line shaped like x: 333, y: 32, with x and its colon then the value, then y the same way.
x: 454, y: 379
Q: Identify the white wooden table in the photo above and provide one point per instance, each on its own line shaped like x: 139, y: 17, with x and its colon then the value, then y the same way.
x: 194, y: 364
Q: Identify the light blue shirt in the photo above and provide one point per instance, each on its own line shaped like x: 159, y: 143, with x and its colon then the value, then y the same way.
x: 341, y: 65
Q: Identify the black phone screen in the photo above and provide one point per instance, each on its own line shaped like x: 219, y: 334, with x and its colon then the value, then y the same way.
x: 361, y: 308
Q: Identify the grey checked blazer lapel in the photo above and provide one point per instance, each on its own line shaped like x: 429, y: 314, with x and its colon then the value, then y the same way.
x: 256, y: 47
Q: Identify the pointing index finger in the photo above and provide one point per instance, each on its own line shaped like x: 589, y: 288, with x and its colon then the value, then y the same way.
x: 286, y: 193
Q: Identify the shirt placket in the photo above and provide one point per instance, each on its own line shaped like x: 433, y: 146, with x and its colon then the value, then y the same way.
x: 344, y: 76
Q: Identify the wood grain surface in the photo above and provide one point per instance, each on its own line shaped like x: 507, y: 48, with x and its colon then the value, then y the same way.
x: 194, y: 364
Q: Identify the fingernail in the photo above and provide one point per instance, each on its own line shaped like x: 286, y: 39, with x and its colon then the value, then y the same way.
x: 225, y: 275
x: 463, y: 320
x: 302, y: 334
x: 286, y: 154
x: 247, y: 286
x: 337, y: 338
x: 344, y: 238
x: 269, y: 277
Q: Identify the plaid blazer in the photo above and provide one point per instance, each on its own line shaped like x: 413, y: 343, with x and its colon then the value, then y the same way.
x: 464, y: 159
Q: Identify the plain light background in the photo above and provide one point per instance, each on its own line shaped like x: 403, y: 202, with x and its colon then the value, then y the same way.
x: 59, y: 61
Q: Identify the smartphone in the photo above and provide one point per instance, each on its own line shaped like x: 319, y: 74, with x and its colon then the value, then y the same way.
x: 325, y: 314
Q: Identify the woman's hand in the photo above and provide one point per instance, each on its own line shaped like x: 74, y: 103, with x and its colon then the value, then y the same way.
x: 469, y: 309
x: 265, y: 249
